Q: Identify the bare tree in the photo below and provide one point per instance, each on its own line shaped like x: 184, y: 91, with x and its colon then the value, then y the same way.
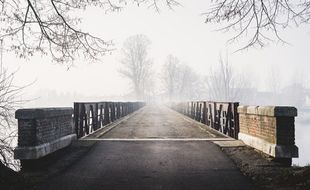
x: 171, y: 75
x: 179, y: 80
x: 260, y: 19
x: 10, y: 100
x: 189, y: 83
x: 224, y: 83
x: 136, y: 65
x: 51, y: 27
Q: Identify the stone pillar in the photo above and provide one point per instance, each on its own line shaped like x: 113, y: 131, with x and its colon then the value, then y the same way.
x: 42, y: 131
x: 269, y: 129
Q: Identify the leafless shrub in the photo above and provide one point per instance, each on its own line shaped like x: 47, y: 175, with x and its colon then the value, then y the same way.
x: 10, y: 100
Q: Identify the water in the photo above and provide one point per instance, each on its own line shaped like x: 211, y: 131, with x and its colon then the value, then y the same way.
x: 302, y: 138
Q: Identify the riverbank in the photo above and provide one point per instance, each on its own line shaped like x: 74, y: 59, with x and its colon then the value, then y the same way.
x: 267, y: 173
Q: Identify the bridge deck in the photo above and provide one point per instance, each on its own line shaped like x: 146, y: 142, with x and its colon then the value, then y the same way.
x: 153, y: 164
x: 160, y: 122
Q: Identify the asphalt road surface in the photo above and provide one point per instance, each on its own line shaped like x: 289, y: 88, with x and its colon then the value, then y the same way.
x: 159, y: 122
x: 154, y: 164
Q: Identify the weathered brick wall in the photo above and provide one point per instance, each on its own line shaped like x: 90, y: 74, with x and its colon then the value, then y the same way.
x: 269, y: 129
x: 39, y: 126
x: 49, y: 129
x: 263, y: 127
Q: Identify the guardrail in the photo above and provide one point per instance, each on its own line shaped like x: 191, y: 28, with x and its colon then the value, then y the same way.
x: 91, y: 116
x: 221, y: 116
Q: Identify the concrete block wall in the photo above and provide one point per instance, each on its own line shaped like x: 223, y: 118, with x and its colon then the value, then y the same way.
x: 269, y: 129
x: 42, y: 131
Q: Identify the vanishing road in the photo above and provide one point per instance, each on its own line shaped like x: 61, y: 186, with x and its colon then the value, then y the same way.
x: 154, y: 148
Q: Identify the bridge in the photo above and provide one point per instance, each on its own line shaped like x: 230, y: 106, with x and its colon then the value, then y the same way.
x: 148, y: 146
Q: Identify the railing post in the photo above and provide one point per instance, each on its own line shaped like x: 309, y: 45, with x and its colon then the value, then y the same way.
x: 192, y: 110
x: 188, y: 109
x: 106, y: 113
x: 211, y: 115
x: 82, y: 118
x: 200, y: 111
x: 204, y: 112
x: 76, y: 115
x: 95, y: 117
x: 236, y: 120
x: 118, y: 110
x: 101, y: 120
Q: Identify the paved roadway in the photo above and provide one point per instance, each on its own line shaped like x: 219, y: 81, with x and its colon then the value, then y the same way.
x: 159, y: 122
x: 158, y: 163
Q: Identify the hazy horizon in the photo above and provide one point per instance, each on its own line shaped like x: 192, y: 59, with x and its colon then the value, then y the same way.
x: 180, y: 32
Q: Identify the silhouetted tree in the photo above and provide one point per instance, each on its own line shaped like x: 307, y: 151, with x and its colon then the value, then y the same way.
x: 136, y: 65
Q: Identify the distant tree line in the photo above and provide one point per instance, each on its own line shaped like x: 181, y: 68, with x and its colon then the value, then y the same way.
x: 222, y: 82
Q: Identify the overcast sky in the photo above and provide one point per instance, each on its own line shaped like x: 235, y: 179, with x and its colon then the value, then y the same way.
x: 181, y: 32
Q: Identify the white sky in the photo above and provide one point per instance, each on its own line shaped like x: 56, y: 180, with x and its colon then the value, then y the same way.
x: 181, y: 32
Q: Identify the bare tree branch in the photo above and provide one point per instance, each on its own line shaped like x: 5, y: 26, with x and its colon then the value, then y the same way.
x: 259, y: 21
x: 46, y: 27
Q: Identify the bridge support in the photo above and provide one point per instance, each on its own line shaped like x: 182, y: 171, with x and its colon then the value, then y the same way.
x: 269, y: 129
x: 42, y: 132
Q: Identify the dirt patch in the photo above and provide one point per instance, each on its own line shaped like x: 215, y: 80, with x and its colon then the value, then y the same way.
x: 265, y: 172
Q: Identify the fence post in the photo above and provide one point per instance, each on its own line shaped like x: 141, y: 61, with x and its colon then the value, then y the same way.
x: 236, y: 120
x: 76, y: 114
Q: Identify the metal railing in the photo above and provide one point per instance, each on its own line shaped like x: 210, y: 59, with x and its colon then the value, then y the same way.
x: 221, y: 116
x: 91, y: 116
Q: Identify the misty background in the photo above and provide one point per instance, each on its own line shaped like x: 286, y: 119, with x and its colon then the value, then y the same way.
x: 274, y: 75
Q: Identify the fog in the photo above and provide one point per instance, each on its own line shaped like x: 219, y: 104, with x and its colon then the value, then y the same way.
x: 274, y: 75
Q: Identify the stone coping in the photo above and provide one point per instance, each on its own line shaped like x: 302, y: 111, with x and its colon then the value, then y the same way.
x: 34, y: 113
x: 274, y: 111
x: 274, y: 150
x: 36, y: 152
